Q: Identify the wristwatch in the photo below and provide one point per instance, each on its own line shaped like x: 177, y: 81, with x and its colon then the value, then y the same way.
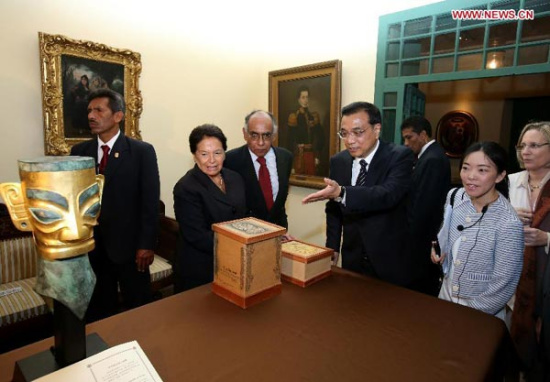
x: 341, y: 196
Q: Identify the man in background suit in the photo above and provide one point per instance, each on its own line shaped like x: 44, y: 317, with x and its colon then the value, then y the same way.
x: 259, y: 131
x: 431, y: 182
x: 368, y: 189
x: 127, y: 232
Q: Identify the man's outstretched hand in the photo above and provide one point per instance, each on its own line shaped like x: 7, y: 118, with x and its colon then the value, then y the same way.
x: 331, y: 191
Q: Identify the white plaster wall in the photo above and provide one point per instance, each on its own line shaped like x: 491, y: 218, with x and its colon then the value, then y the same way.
x: 202, y: 62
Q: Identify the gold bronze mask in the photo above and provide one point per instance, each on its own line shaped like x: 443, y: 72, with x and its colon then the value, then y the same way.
x: 59, y: 200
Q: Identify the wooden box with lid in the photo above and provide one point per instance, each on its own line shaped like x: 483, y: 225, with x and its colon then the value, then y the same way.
x: 247, y: 260
x: 304, y: 264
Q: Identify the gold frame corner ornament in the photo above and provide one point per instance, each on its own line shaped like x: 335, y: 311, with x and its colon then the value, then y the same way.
x: 52, y: 48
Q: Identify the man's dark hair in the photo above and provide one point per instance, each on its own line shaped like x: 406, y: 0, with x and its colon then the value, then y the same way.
x: 206, y: 130
x: 116, y: 102
x: 254, y: 112
x: 418, y: 125
x: 369, y: 108
x: 300, y: 90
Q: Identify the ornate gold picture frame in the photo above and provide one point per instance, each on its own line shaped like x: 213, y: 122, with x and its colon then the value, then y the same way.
x: 306, y: 102
x: 70, y: 69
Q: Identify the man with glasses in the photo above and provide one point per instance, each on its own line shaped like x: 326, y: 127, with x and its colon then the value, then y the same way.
x: 368, y: 187
x: 264, y: 168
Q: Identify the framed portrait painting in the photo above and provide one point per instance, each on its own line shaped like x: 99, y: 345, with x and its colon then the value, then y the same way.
x: 71, y: 70
x: 457, y: 130
x: 306, y: 102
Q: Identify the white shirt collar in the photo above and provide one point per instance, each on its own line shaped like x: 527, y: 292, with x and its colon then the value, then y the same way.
x: 369, y: 157
x: 524, y: 180
x: 425, y: 147
x: 110, y: 143
x: 270, y: 155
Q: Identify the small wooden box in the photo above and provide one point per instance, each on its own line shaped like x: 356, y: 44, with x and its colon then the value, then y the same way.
x: 247, y: 260
x: 305, y: 264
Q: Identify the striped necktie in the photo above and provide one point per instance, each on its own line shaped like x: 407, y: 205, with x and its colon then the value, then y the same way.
x: 362, y: 178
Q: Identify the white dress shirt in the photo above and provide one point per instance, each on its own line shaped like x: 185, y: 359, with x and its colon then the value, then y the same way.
x: 271, y: 163
x: 425, y: 147
x: 100, y: 143
x: 356, y: 167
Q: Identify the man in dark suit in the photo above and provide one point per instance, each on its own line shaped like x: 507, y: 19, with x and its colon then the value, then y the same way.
x: 127, y: 232
x: 368, y: 189
x: 431, y: 182
x: 259, y: 131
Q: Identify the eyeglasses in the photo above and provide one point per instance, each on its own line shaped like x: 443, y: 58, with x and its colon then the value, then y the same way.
x: 265, y: 136
x: 530, y: 146
x: 358, y: 133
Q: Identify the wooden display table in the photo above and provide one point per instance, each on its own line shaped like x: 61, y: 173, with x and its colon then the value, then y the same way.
x: 345, y: 328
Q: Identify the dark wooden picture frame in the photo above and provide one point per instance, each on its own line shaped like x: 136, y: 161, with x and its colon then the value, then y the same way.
x: 457, y: 130
x: 310, y: 131
x: 70, y: 69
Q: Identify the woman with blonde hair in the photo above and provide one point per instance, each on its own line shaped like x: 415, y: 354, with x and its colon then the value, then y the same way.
x: 530, y: 196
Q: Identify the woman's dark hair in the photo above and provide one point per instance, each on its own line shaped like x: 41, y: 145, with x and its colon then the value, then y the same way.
x: 498, y: 156
x: 206, y: 130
